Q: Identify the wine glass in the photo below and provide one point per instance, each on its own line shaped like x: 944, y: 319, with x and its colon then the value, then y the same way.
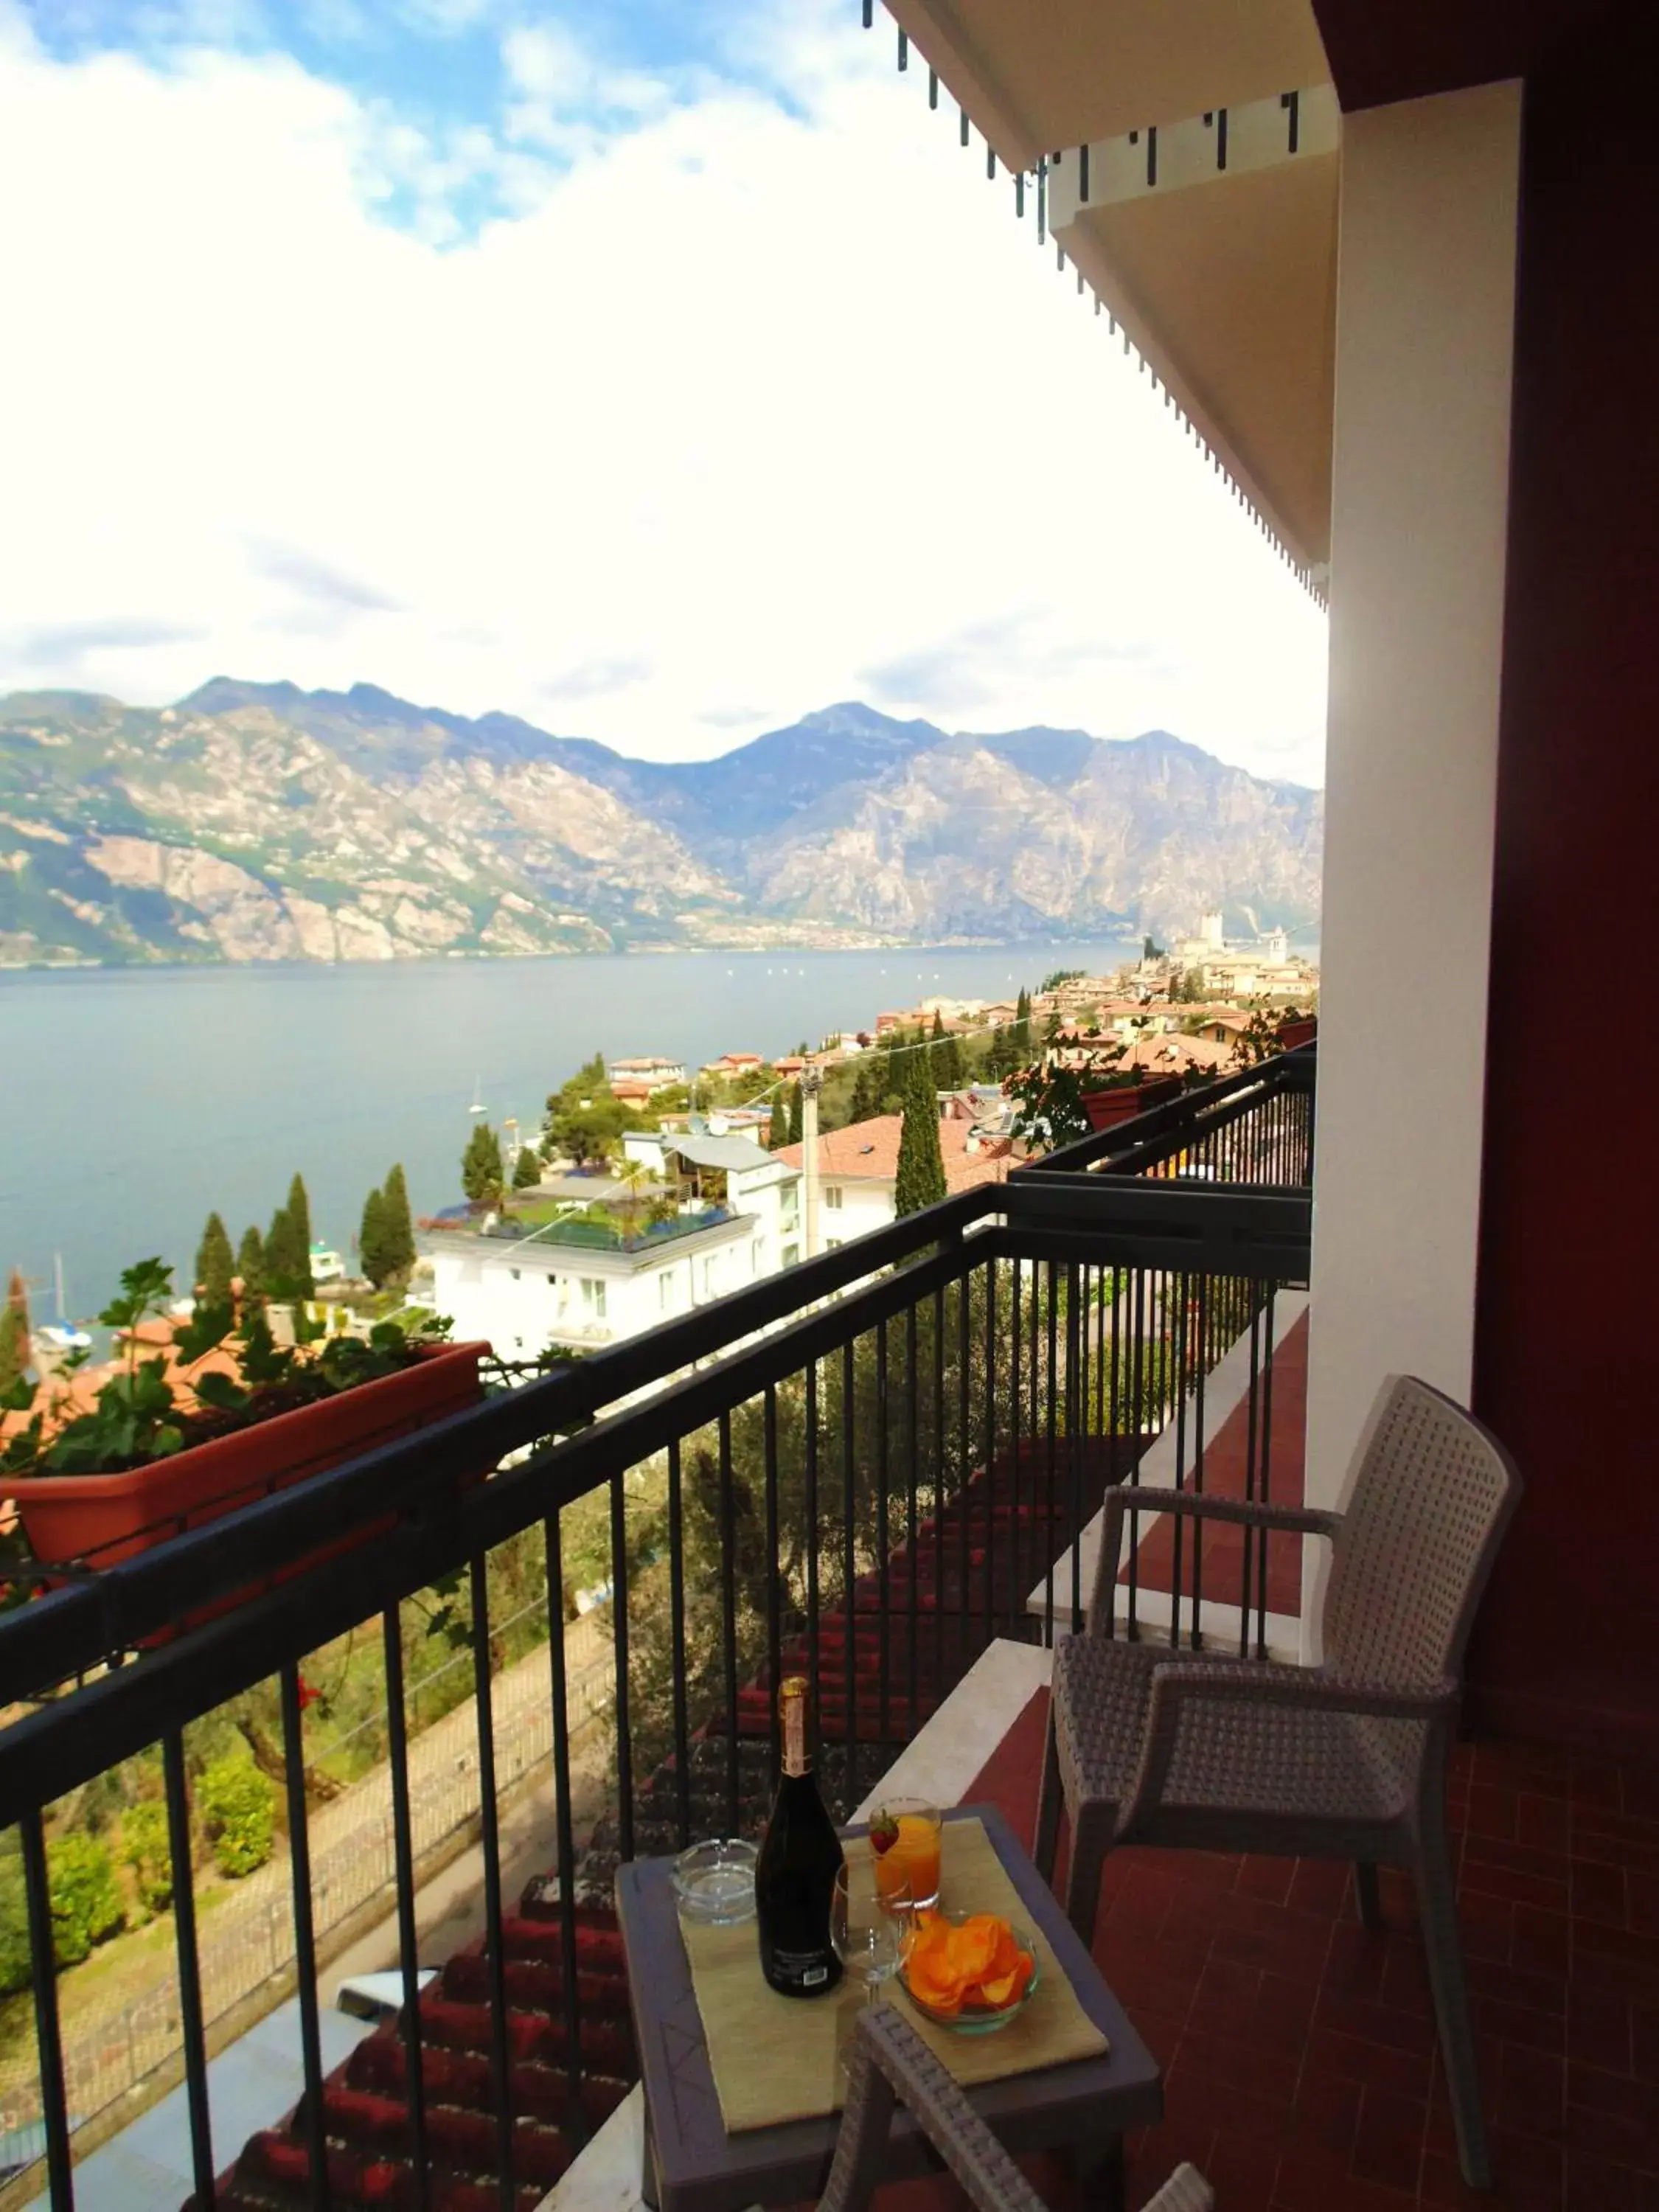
x: 869, y: 1926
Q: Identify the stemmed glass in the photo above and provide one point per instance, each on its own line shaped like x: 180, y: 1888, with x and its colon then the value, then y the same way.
x: 869, y: 1926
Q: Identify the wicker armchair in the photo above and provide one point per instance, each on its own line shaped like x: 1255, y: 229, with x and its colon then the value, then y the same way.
x: 892, y: 2065
x: 1346, y: 1760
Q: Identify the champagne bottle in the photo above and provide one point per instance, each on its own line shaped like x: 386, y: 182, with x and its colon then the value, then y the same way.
x: 799, y: 1858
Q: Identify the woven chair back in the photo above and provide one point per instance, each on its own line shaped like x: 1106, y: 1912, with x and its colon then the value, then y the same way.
x: 1430, y: 1497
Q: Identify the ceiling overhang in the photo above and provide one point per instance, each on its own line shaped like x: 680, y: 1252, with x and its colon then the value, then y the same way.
x: 1187, y: 153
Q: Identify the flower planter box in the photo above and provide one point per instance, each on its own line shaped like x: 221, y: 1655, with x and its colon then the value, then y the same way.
x: 99, y: 1519
x: 1107, y: 1109
x: 1292, y: 1034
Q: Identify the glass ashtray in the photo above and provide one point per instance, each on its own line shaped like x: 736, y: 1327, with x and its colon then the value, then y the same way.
x: 715, y: 1882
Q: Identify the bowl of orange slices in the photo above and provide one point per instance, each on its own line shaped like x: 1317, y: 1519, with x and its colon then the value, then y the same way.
x: 970, y: 1971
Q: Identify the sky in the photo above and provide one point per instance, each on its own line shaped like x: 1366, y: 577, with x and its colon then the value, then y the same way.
x: 657, y: 370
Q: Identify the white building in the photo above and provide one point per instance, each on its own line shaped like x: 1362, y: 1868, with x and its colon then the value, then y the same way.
x: 858, y: 1170
x: 560, y: 1285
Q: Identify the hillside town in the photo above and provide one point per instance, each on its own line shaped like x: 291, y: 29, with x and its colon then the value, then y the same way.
x: 672, y: 1187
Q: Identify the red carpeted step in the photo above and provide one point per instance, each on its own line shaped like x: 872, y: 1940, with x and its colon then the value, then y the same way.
x: 535, y: 1983
x: 466, y: 2078
x: 606, y: 2042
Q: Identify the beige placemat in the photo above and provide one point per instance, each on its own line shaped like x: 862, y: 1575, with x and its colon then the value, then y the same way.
x: 776, y: 2059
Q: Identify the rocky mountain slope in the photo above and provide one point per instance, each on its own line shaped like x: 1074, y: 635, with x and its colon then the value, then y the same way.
x: 258, y: 822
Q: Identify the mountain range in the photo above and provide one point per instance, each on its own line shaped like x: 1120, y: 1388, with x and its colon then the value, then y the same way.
x: 261, y: 821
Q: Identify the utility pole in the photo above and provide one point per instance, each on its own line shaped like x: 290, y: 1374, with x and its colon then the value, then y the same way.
x: 811, y: 1082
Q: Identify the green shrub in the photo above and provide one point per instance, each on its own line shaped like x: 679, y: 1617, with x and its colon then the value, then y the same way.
x: 86, y: 1900
x: 237, y: 1805
x: 15, y: 1966
x: 147, y: 1849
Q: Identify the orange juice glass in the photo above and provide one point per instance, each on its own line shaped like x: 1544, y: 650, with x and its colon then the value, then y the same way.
x: 904, y: 1840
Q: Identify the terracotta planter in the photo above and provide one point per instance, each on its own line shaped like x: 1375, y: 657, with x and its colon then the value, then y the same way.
x: 1107, y: 1109
x: 1291, y: 1034
x: 103, y: 1518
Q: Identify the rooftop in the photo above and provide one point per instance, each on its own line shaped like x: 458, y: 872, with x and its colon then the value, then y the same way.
x: 868, y: 1151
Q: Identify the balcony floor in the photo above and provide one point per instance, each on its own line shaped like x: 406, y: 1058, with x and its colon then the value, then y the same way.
x: 1299, y: 2052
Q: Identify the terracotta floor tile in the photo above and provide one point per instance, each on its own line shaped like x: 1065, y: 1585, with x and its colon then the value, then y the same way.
x: 1268, y: 1879
x: 1226, y: 1995
x: 1240, y: 2063
x: 1598, y: 1893
x: 1517, y: 1985
x: 1542, y: 1942
x: 1598, y: 1782
x: 1544, y: 1822
x: 1596, y: 2183
x: 1303, y: 2187
x: 1324, y: 2121
x: 1599, y: 2029
x: 1532, y: 2093
x: 1374, y: 2023
x: 1492, y: 1881
x: 1354, y: 2058
x: 1492, y: 1811
x: 1388, y: 2144
x: 1514, y: 2023
x: 1611, y: 2113
x: 1642, y: 1896
x: 1300, y: 2052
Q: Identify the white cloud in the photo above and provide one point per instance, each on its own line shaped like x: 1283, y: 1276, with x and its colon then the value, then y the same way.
x: 748, y: 404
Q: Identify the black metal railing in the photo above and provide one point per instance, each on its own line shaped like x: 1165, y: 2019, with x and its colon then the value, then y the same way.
x: 864, y: 1470
x: 1255, y: 1127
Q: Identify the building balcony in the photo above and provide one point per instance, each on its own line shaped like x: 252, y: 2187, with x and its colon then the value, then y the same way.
x: 891, y: 1488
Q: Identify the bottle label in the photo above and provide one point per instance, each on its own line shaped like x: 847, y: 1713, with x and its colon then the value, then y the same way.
x: 807, y: 1970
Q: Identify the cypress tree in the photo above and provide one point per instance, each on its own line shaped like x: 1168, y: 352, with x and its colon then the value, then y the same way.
x: 299, y: 1214
x: 288, y: 1247
x: 945, y: 1054
x: 526, y: 1169
x: 251, y: 1262
x: 1023, y: 1023
x: 921, y: 1181
x: 216, y: 1264
x: 778, y: 1136
x: 797, y: 1113
x: 372, y: 1253
x: 867, y: 1093
x: 13, y: 1332
x: 397, y: 1223
x: 480, y: 1166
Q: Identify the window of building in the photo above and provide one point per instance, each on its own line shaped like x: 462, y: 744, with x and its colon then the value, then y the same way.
x: 594, y: 1298
x: 833, y: 1243
x: 832, y: 1196
x: 666, y: 1291
x: 514, y: 1273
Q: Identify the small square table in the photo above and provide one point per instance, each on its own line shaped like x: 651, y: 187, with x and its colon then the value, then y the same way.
x: 692, y: 2164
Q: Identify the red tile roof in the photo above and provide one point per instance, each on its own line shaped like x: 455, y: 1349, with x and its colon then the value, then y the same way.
x: 868, y: 1151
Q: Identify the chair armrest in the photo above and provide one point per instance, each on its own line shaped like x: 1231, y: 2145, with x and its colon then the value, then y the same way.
x: 1308, y: 1689
x: 890, y: 2061
x: 1125, y: 1497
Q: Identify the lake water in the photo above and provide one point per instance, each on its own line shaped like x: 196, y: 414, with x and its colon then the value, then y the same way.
x: 131, y: 1101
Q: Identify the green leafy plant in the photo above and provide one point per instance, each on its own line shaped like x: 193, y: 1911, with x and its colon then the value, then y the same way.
x: 147, y: 1849
x: 86, y: 1898
x: 140, y: 1415
x: 1049, y: 1097
x: 237, y: 1806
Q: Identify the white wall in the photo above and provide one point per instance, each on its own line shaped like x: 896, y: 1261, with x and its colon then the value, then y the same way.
x: 525, y: 1296
x: 864, y: 1206
x: 1423, y: 354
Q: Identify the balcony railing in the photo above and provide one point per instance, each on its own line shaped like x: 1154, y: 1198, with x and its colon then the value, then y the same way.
x: 861, y: 1471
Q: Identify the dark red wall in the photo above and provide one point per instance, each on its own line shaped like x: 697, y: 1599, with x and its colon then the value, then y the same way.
x: 1568, y: 1334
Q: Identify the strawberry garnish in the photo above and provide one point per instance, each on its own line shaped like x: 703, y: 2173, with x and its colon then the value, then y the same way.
x: 884, y: 1833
